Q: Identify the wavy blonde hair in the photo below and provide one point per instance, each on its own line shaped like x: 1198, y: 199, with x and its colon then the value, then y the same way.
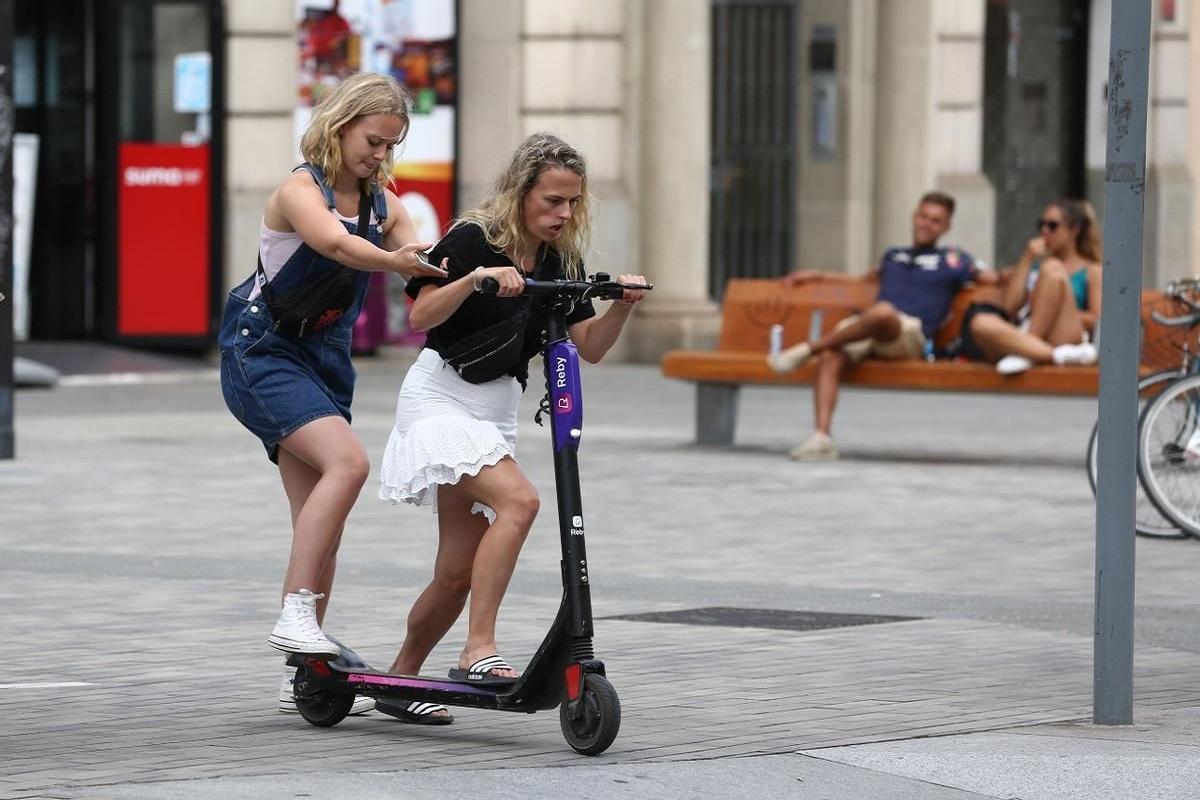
x: 1080, y: 215
x: 500, y: 214
x: 360, y: 95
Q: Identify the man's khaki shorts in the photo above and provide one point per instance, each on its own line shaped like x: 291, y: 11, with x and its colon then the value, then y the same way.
x: 909, y: 344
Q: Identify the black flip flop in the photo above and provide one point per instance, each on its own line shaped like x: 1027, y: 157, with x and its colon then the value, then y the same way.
x: 480, y: 673
x: 414, y: 713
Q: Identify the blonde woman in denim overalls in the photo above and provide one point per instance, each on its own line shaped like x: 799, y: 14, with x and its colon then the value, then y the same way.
x: 292, y: 386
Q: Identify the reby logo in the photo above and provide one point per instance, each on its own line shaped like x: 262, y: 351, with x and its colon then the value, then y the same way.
x: 161, y: 176
x: 562, y: 405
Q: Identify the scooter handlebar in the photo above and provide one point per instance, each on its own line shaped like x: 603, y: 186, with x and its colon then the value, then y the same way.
x: 600, y: 287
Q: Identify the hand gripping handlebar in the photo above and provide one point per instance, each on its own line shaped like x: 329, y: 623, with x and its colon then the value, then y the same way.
x: 599, y: 286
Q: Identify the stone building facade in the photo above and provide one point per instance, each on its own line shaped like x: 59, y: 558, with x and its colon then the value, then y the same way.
x: 891, y: 98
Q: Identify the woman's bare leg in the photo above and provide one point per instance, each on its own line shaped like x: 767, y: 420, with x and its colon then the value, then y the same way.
x: 1054, y: 317
x: 476, y: 557
x: 439, y: 606
x: 331, y: 450
x: 298, y: 482
x: 509, y: 493
x: 998, y: 338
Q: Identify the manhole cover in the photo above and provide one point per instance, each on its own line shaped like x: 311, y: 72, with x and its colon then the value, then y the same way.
x: 774, y: 618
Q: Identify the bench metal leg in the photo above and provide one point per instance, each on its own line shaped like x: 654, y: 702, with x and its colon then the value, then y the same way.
x: 716, y: 413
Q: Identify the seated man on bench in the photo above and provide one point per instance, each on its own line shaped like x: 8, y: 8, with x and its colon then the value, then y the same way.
x: 916, y: 287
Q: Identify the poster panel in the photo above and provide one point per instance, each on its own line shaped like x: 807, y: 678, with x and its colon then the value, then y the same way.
x: 415, y: 42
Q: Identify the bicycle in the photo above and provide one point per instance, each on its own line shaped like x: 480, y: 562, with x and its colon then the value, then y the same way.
x: 1148, y: 520
x: 1171, y: 344
x: 1168, y: 442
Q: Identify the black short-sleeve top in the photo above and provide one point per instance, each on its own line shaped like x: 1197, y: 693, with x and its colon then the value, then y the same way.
x: 467, y: 248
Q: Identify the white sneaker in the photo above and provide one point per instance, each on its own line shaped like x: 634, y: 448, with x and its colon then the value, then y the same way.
x: 1084, y: 353
x: 788, y: 360
x: 818, y: 447
x: 1013, y: 365
x: 297, y: 630
x: 287, y: 697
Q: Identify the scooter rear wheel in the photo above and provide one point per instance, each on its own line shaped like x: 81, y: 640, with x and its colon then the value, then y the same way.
x: 597, y: 719
x: 321, y: 707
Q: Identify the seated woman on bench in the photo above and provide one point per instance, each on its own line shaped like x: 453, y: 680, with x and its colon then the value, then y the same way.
x: 1016, y: 326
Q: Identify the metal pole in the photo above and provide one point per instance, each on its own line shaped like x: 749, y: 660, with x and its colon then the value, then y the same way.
x: 7, y: 442
x: 1124, y: 194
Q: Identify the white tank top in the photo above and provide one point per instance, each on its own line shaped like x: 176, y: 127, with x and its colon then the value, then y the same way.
x: 276, y: 247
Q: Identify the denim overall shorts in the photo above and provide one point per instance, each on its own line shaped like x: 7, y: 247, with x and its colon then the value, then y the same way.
x: 275, y: 382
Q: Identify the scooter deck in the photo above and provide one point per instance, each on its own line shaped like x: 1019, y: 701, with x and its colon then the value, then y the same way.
x: 350, y: 672
x: 354, y: 670
x: 387, y: 680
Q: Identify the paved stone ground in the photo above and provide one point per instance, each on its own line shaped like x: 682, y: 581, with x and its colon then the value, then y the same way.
x: 143, y: 540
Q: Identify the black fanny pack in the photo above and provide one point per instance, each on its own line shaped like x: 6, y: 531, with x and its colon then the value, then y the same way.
x: 492, y: 352
x: 315, y: 304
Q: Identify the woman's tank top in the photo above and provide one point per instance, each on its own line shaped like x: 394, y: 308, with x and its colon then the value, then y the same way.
x: 276, y: 247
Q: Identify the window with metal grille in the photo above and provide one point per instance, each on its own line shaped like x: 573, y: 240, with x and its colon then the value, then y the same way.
x: 754, y: 152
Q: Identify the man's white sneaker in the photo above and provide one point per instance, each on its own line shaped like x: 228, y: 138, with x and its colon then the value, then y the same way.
x: 1084, y: 353
x: 788, y: 360
x: 287, y: 697
x: 297, y: 630
x: 818, y: 447
x: 1012, y: 365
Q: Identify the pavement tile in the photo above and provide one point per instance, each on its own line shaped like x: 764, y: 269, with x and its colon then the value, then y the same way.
x: 157, y: 576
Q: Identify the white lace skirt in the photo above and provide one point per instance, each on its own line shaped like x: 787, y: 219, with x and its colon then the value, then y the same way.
x: 446, y: 428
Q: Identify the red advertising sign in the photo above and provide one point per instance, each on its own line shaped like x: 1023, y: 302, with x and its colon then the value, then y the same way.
x: 163, y: 240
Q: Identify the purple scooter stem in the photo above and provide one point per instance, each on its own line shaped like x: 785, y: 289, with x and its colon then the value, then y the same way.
x: 566, y: 395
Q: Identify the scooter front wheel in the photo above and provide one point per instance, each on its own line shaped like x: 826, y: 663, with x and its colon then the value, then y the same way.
x: 592, y: 724
x: 320, y: 706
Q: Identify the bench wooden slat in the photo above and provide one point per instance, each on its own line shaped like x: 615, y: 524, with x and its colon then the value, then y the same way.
x: 744, y: 367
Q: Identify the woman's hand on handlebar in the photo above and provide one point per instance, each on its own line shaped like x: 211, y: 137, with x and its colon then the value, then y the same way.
x: 511, y: 281
x: 410, y: 265
x: 632, y: 296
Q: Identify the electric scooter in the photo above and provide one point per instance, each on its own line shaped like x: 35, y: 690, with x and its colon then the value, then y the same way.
x: 564, y: 672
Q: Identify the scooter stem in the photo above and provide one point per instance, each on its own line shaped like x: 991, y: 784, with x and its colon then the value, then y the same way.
x: 566, y: 426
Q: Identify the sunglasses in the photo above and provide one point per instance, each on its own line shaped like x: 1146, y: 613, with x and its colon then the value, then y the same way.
x: 1049, y: 224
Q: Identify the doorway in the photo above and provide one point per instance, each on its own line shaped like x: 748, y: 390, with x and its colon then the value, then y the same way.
x: 53, y: 99
x: 104, y: 85
x: 754, y: 140
x: 1035, y: 86
x: 161, y: 130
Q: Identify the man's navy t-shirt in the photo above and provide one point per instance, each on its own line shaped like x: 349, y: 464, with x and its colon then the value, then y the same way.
x: 922, y: 282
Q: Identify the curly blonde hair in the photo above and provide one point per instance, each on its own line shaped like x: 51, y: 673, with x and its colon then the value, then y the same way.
x: 360, y: 95
x: 500, y: 213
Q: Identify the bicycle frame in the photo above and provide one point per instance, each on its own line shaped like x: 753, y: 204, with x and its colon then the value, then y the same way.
x: 1189, y: 365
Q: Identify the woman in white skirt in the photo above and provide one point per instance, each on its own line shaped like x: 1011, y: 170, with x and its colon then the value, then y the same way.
x: 454, y: 441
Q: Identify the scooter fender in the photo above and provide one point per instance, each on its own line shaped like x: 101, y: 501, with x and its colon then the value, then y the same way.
x: 566, y: 395
x: 575, y: 706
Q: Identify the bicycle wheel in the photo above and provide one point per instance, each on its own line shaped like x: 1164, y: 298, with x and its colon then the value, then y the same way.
x: 1168, y: 453
x: 1148, y: 520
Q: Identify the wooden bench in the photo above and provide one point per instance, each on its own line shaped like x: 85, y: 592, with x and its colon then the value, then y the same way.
x: 752, y: 306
